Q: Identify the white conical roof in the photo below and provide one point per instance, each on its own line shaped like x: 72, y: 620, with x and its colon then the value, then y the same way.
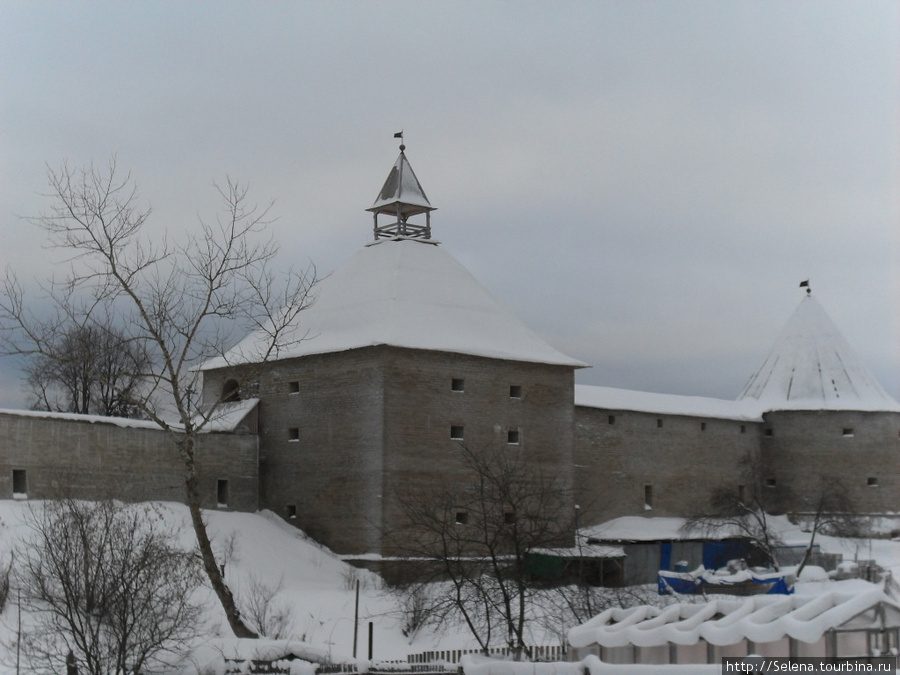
x: 405, y: 293
x: 812, y: 367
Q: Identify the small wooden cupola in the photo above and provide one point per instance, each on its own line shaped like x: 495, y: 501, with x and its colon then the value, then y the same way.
x: 402, y: 197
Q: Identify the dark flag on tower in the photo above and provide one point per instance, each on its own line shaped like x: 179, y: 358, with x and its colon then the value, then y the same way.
x: 804, y: 284
x: 399, y: 134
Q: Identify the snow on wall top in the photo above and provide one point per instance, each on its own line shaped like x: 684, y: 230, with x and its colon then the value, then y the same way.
x: 90, y: 419
x: 609, y: 398
x: 405, y: 293
x: 760, y: 619
x: 226, y: 417
x: 812, y: 367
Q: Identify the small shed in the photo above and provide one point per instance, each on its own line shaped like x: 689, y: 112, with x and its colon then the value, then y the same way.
x: 592, y: 565
x: 831, y: 624
x: 654, y: 544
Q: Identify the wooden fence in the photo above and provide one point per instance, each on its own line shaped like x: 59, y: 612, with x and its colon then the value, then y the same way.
x: 438, y: 662
x: 283, y: 667
x: 539, y: 653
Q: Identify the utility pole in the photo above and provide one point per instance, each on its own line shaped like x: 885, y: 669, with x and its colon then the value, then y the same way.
x: 18, y: 628
x: 356, y: 619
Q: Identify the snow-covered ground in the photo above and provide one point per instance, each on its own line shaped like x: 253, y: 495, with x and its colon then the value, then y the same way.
x: 319, y: 588
x: 316, y: 585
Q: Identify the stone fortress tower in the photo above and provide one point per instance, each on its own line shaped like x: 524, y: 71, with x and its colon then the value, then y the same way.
x: 404, y: 356
x: 826, y: 418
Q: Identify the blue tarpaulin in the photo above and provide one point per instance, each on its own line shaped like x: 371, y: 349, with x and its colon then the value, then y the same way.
x: 744, y: 582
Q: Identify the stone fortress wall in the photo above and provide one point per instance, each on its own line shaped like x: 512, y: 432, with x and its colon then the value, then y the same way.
x: 633, y: 463
x: 47, y: 455
x: 655, y: 464
x: 342, y: 436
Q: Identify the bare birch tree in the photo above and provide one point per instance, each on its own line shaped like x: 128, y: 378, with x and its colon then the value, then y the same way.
x: 180, y: 303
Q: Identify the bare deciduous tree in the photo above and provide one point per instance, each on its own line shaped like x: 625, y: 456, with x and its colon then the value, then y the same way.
x: 109, y: 590
x: 831, y: 511
x: 181, y: 304
x: 417, y: 605
x: 269, y: 617
x: 561, y: 608
x: 828, y: 509
x: 746, y: 514
x: 480, y: 538
x: 86, y: 369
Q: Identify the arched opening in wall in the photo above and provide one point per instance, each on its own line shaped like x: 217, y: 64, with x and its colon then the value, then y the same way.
x: 231, y: 391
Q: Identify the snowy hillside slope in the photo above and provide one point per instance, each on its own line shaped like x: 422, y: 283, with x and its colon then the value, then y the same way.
x: 316, y: 586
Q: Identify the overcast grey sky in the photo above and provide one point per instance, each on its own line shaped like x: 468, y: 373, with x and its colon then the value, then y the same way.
x: 644, y: 183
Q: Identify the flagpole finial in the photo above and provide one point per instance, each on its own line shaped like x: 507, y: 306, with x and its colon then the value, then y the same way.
x: 805, y: 284
x: 399, y: 135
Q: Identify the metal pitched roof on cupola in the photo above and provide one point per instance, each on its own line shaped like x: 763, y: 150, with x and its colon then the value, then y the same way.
x: 400, y: 198
x: 812, y: 367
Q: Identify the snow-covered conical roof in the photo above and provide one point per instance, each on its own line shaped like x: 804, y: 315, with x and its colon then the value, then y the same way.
x: 812, y: 367
x: 405, y: 293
